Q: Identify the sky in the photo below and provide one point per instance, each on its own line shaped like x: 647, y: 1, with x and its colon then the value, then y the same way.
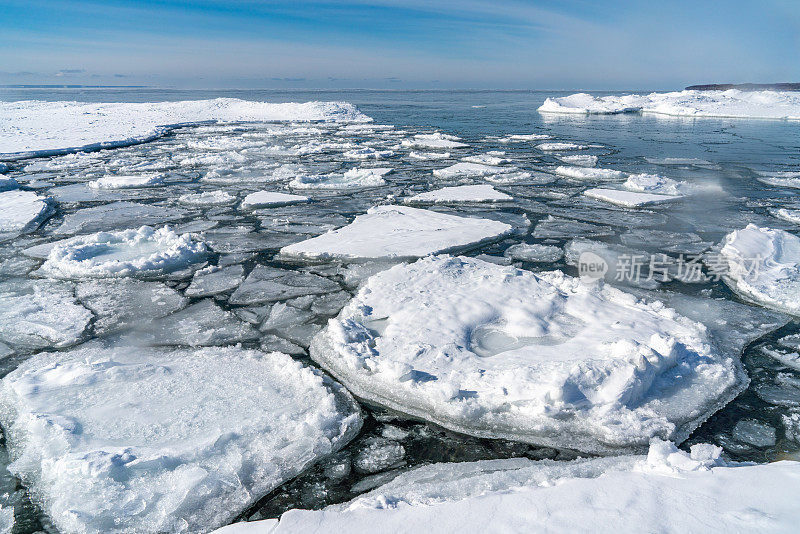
x: 548, y: 44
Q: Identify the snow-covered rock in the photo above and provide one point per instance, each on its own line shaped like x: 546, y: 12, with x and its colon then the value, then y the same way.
x: 589, y: 173
x: 461, y: 193
x: 629, y: 199
x: 762, y: 265
x: 398, y: 232
x: 730, y: 103
x: 143, y: 252
x: 118, y: 181
x: 542, y: 358
x: 22, y: 211
x: 271, y: 199
x: 145, y: 440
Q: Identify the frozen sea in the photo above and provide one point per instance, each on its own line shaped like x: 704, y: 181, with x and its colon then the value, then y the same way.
x: 721, y: 175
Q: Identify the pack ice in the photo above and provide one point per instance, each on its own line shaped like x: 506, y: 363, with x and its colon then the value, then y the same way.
x: 398, y: 232
x: 730, y: 103
x: 763, y: 266
x: 541, y: 358
x: 131, y: 439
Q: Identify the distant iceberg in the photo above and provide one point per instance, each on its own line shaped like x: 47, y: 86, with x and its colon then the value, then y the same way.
x: 32, y: 128
x: 731, y: 103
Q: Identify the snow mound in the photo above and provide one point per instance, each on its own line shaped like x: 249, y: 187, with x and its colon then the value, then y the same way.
x: 398, y: 232
x: 589, y: 173
x: 730, y: 103
x: 114, y: 181
x: 541, y: 358
x: 355, y: 178
x: 207, y: 198
x: 147, y: 440
x: 36, y: 128
x: 142, y: 252
x: 270, y: 199
x: 762, y: 265
x: 22, y: 211
x: 462, y: 193
x: 628, y: 199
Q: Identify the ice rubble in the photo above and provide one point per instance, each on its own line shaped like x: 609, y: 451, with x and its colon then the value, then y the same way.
x: 542, y: 358
x: 589, y: 173
x: 628, y: 199
x: 355, y: 178
x: 22, y: 211
x: 271, y: 199
x: 117, y: 181
x: 730, y: 103
x: 368, y: 153
x: 34, y: 127
x: 142, y: 252
x: 659, y: 492
x: 139, y: 439
x: 763, y: 266
x: 398, y: 232
x: 462, y: 193
x: 207, y: 198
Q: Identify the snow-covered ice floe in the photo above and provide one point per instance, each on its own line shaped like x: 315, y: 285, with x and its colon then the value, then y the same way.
x: 461, y: 193
x: 589, y: 173
x: 398, y: 232
x: 584, y: 160
x: 541, y: 358
x: 534, y: 253
x: 730, y: 103
x: 434, y: 140
x: 466, y: 169
x: 37, y: 128
x: 423, y: 156
x: 207, y: 198
x: 142, y: 252
x: 7, y: 183
x: 556, y: 146
x: 629, y: 199
x: 115, y: 181
x: 668, y: 490
x: 355, y: 178
x: 22, y: 211
x: 762, y: 265
x: 133, y: 439
x: 271, y: 199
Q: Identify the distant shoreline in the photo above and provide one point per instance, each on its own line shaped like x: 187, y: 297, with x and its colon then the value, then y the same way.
x: 746, y: 87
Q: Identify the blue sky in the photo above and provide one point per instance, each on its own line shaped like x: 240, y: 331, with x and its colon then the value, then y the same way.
x: 568, y: 44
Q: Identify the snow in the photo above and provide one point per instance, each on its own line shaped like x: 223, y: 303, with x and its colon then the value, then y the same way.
x: 556, y: 146
x: 207, y: 198
x: 270, y: 199
x: 763, y: 266
x: 584, y: 160
x: 628, y: 199
x: 434, y: 140
x: 37, y: 128
x: 466, y: 169
x: 141, y: 439
x: 669, y: 490
x: 398, y: 232
x: 115, y: 181
x: 38, y: 314
x: 730, y: 103
x: 355, y: 178
x: 462, y: 193
x: 589, y: 173
x: 22, y: 211
x: 142, y: 252
x: 541, y: 358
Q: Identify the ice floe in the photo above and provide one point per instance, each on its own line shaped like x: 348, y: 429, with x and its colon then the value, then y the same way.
x: 137, y: 439
x: 522, y: 138
x: 584, y: 160
x: 7, y: 183
x: 629, y: 199
x: 207, y: 198
x: 398, y: 232
x: 589, y: 173
x: 117, y: 181
x: 434, y: 140
x: 22, y: 211
x: 34, y: 127
x: 789, y: 215
x: 271, y: 199
x: 556, y: 146
x: 423, y: 156
x: 534, y: 253
x: 762, y: 265
x: 355, y: 178
x: 781, y: 178
x: 542, y: 358
x: 117, y: 215
x: 142, y: 252
x: 215, y: 280
x: 270, y: 284
x: 653, y: 183
x: 368, y: 153
x: 730, y: 103
x: 462, y: 193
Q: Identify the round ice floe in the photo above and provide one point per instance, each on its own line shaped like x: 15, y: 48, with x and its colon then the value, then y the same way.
x: 542, y: 358
x: 114, y: 181
x: 22, y: 211
x: 763, y: 266
x: 132, y: 439
x: 146, y: 252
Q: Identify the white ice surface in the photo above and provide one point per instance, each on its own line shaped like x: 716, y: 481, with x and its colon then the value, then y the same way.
x: 555, y: 146
x: 534, y: 253
x: 207, y: 198
x: 461, y: 193
x: 355, y: 178
x: 789, y: 215
x: 630, y: 199
x: 763, y: 266
x: 428, y: 155
x: 434, y: 140
x: 131, y: 439
x: 145, y: 252
x: 398, y: 232
x: 271, y: 199
x: 584, y: 160
x: 589, y: 173
x: 116, y: 181
x: 653, y: 183
x: 34, y: 127
x: 22, y: 211
x: 465, y: 169
x: 730, y: 103
x: 542, y: 358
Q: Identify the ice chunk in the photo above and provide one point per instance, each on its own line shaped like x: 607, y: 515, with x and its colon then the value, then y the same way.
x: 557, y: 228
x: 214, y: 280
x: 486, y: 159
x: 653, y: 183
x: 377, y: 455
x: 628, y: 199
x: 355, y: 178
x: 116, y: 215
x: 589, y: 173
x: 464, y: 169
x: 584, y: 160
x: 534, y: 253
x: 462, y: 193
x: 554, y: 147
x: 398, y: 232
x: 116, y: 181
x: 521, y: 138
x: 207, y: 198
x: 143, y: 252
x: 755, y: 433
x: 38, y: 314
x: 541, y: 358
x: 434, y: 140
x: 124, y: 303
x: 270, y: 199
x: 730, y: 103
x: 6, y: 182
x: 140, y: 439
x: 763, y: 266
x: 368, y: 153
x: 428, y: 155
x: 270, y: 284
x: 22, y: 211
